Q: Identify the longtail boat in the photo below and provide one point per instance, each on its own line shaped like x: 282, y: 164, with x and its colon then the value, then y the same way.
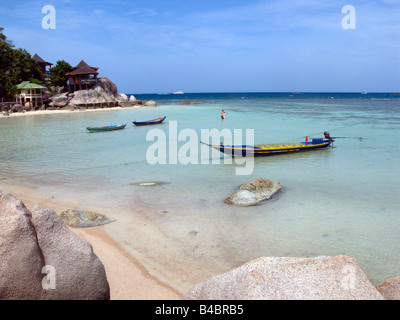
x: 106, y: 128
x: 149, y: 122
x: 273, y: 148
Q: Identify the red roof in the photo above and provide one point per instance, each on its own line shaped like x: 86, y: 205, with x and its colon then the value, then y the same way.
x: 83, y: 68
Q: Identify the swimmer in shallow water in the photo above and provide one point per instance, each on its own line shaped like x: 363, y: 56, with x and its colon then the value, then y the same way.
x: 223, y: 116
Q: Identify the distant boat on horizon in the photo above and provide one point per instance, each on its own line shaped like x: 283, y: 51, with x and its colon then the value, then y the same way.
x: 178, y: 92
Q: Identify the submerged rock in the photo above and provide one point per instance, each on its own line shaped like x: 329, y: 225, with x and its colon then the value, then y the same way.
x: 84, y: 219
x: 149, y: 184
x: 254, y: 192
x: 183, y: 102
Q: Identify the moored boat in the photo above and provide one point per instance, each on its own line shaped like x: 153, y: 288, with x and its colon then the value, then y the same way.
x: 149, y: 122
x: 273, y: 148
x: 106, y: 128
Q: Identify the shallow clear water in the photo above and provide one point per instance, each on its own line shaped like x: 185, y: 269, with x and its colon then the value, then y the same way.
x: 341, y: 200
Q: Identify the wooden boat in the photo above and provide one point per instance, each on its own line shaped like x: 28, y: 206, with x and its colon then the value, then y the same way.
x: 149, y: 122
x: 273, y: 148
x: 107, y: 128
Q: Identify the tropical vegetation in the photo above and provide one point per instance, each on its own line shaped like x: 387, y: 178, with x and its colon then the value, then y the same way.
x: 17, y: 65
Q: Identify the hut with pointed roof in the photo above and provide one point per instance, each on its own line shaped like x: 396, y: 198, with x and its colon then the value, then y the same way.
x: 82, y: 77
x: 43, y: 66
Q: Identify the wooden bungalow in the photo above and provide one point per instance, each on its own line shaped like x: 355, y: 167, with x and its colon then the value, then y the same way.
x: 82, y: 77
x: 30, y: 92
x: 43, y: 65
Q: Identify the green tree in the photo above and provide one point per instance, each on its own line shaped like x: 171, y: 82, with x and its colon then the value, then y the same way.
x: 57, y: 73
x: 16, y: 65
x: 6, y: 48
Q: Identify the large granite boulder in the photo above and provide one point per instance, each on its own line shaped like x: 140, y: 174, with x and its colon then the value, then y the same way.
x: 60, y: 101
x: 80, y: 273
x: 108, y: 86
x: 390, y: 289
x: 320, y: 278
x: 105, y: 91
x: 122, y: 97
x: 254, y: 192
x: 150, y: 103
x: 42, y: 259
x: 96, y: 95
x: 21, y: 260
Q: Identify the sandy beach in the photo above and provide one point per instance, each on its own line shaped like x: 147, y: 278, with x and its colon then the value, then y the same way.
x: 46, y: 112
x: 141, y: 261
x: 127, y: 277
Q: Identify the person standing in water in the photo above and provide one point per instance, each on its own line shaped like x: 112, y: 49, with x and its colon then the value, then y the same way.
x: 223, y: 116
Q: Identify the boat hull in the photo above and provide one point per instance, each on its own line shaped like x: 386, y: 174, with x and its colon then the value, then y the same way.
x: 107, y: 128
x: 271, y: 149
x: 150, y: 122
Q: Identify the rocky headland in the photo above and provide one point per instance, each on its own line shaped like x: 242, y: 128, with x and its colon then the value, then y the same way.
x: 103, y: 95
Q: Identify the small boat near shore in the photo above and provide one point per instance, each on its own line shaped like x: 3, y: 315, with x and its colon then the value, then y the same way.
x: 273, y: 148
x: 106, y: 128
x: 149, y: 122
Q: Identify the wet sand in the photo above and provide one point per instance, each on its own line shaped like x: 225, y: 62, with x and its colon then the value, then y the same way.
x: 147, y: 253
x: 127, y: 277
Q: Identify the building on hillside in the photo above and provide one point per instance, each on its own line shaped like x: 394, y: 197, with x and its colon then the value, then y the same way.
x: 82, y: 77
x: 43, y: 65
x: 30, y: 92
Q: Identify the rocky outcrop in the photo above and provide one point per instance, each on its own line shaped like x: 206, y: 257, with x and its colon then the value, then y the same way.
x: 104, y: 94
x: 21, y: 259
x: 184, y: 102
x: 42, y: 259
x: 92, y: 96
x: 320, y: 278
x: 150, y: 103
x: 122, y: 97
x: 390, y: 289
x: 254, y: 192
x: 108, y: 86
x: 84, y: 219
x: 60, y: 100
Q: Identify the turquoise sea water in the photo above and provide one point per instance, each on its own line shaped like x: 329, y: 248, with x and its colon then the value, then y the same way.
x: 341, y: 200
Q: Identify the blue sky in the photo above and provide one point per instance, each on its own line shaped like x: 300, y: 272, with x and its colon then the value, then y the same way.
x: 162, y: 46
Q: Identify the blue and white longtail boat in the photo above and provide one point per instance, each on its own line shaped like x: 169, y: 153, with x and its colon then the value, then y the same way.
x: 273, y: 148
x: 149, y: 122
x: 106, y: 128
